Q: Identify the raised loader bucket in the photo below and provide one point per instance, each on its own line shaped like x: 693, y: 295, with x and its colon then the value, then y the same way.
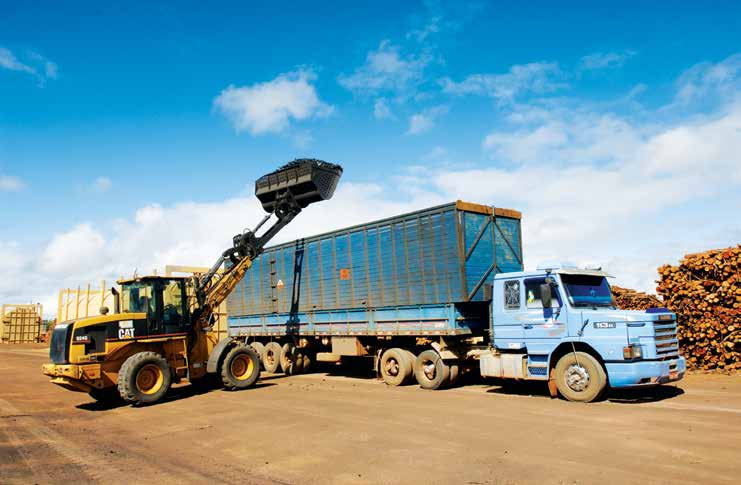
x: 308, y: 180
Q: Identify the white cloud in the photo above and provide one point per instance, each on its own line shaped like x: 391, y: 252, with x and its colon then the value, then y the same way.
x: 423, y: 122
x: 101, y: 185
x: 9, y: 183
x: 37, y: 65
x: 706, y: 79
x: 536, y: 77
x: 270, y: 107
x: 605, y: 60
x: 381, y: 110
x: 79, y: 249
x: 387, y: 70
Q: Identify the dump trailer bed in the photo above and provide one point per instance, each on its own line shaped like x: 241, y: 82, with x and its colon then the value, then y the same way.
x: 422, y: 273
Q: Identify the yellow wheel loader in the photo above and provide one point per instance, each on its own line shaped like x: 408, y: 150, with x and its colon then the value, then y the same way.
x: 160, y: 329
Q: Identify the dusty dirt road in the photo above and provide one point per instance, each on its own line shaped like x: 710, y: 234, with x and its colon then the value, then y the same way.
x: 324, y: 428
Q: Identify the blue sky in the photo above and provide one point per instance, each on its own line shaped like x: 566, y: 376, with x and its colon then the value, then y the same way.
x: 130, y: 134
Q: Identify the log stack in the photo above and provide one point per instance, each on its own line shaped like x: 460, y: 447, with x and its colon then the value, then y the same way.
x: 628, y: 299
x: 704, y: 290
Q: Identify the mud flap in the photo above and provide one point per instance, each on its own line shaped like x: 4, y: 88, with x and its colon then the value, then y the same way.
x: 552, y: 388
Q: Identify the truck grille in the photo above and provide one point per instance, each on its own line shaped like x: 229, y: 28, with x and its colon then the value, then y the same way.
x: 59, y: 345
x: 665, y: 335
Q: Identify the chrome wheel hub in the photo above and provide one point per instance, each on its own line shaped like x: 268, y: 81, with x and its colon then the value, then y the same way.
x: 577, y: 378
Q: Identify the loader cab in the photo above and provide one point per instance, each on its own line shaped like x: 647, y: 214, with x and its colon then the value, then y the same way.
x: 163, y: 299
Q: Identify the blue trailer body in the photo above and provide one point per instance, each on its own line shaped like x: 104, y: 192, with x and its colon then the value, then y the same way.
x: 422, y: 273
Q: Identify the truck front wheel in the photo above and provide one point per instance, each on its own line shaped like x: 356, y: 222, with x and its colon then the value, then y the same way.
x: 241, y: 368
x: 144, y: 378
x: 580, y: 377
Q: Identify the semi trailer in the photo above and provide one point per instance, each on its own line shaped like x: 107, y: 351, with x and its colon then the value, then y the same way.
x: 433, y: 293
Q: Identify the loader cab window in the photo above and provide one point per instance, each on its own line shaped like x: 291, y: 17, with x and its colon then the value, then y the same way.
x: 137, y: 297
x: 173, y: 300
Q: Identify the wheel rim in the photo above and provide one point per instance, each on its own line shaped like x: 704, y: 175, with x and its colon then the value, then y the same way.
x: 577, y: 378
x: 429, y: 369
x: 241, y: 367
x: 149, y: 379
x: 392, y: 367
x: 270, y: 358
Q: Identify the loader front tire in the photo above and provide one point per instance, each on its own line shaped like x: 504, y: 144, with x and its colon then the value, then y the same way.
x: 144, y: 378
x: 241, y: 368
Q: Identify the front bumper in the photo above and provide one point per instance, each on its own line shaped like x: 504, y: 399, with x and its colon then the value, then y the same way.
x: 74, y: 377
x: 645, y: 373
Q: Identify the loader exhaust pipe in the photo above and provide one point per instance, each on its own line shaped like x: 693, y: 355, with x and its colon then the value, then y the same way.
x: 306, y: 180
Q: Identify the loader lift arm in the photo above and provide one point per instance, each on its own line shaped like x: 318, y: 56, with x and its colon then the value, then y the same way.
x: 283, y: 193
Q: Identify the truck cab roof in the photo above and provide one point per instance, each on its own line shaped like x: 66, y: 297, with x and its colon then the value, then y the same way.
x: 542, y: 272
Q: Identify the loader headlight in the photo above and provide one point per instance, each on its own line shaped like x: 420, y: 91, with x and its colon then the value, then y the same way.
x: 632, y: 352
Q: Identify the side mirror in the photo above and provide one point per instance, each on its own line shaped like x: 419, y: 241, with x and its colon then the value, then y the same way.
x: 546, y: 296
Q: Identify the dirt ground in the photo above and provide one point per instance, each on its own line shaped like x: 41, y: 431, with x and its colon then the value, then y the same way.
x: 328, y: 427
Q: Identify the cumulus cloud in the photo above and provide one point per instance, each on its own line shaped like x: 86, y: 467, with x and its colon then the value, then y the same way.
x: 270, y: 107
x: 605, y: 60
x: 387, y: 70
x: 9, y: 183
x: 535, y: 78
x: 423, y: 122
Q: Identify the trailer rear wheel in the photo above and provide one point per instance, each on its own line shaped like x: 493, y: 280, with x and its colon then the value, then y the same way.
x: 144, y: 378
x: 271, y: 357
x: 291, y: 360
x: 260, y: 349
x: 241, y: 368
x: 431, y: 371
x: 396, y: 367
x: 580, y: 377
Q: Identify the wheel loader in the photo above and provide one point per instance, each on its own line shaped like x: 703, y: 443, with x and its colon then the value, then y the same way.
x: 160, y: 330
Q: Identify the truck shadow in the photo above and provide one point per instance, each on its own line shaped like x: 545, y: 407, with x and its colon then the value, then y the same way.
x: 618, y: 396
x: 175, y: 394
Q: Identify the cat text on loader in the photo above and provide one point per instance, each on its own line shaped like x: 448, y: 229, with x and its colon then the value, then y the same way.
x: 160, y: 329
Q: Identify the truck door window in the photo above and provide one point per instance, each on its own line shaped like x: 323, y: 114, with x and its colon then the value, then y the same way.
x: 532, y: 294
x: 512, y: 295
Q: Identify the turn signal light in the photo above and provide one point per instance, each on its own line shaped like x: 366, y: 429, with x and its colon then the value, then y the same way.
x: 632, y: 352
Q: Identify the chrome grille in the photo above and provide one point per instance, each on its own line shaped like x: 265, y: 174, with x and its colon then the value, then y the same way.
x: 665, y: 335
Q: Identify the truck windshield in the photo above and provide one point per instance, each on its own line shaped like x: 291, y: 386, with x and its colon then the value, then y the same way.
x: 587, y: 290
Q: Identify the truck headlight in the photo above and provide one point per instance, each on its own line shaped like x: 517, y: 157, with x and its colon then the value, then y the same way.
x: 632, y: 352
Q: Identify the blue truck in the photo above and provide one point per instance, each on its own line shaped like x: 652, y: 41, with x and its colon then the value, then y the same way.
x: 434, y: 293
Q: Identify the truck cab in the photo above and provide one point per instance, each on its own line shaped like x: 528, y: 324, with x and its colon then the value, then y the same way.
x: 559, y: 324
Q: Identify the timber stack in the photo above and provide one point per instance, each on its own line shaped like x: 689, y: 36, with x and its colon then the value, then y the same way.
x: 704, y: 290
x: 628, y: 299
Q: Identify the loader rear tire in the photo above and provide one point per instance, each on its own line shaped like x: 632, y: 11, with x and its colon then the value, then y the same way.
x: 271, y: 357
x: 241, y: 368
x: 144, y: 378
x: 396, y: 367
x: 431, y: 371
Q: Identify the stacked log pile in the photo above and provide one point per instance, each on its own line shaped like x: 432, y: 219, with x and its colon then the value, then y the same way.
x: 628, y: 299
x: 704, y: 290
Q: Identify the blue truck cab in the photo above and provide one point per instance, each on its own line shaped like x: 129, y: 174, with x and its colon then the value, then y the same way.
x: 559, y: 324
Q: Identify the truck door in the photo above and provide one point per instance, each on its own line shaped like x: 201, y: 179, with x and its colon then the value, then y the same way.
x: 542, y: 327
x: 506, y: 315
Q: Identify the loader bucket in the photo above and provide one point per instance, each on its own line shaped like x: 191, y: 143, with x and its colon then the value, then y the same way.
x: 308, y: 181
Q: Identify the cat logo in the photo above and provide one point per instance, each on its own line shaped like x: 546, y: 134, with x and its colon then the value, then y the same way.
x: 125, y: 329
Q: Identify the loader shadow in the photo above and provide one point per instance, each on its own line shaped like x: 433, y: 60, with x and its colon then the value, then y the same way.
x: 175, y: 394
